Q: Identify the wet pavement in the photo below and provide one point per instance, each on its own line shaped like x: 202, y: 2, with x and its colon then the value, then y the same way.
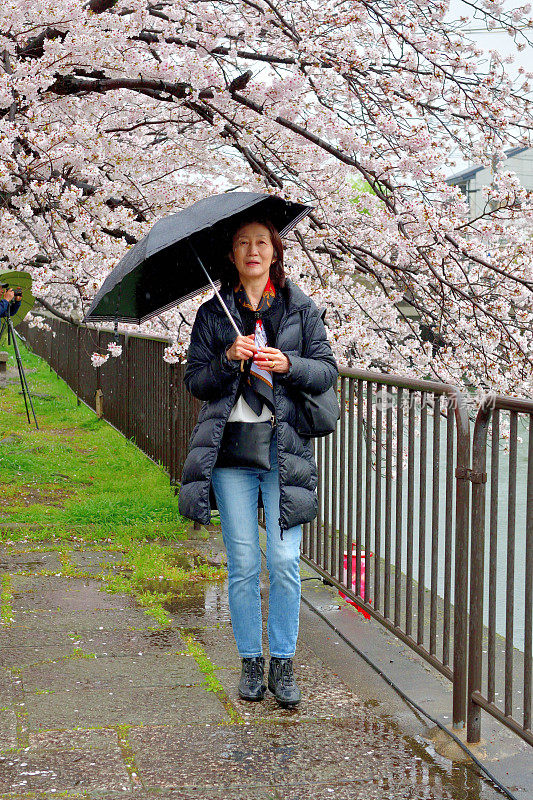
x: 99, y: 701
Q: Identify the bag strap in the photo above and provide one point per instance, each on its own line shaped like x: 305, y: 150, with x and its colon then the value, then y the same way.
x: 321, y: 315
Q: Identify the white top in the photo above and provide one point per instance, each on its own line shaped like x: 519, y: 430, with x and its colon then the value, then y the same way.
x: 241, y: 412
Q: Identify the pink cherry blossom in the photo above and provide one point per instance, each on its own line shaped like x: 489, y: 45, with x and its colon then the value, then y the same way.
x: 97, y: 359
x: 113, y: 115
x: 115, y: 349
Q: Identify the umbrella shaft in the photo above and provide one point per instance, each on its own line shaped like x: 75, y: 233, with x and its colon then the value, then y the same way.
x: 221, y: 301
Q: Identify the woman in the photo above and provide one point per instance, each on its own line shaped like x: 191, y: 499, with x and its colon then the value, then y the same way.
x: 245, y: 378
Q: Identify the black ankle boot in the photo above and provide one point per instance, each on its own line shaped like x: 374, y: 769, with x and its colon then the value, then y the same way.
x: 281, y: 682
x: 251, y: 686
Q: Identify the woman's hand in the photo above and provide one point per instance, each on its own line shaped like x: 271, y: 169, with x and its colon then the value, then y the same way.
x: 272, y: 360
x: 242, y: 348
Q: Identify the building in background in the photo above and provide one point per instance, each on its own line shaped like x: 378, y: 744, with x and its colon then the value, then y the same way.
x: 472, y: 179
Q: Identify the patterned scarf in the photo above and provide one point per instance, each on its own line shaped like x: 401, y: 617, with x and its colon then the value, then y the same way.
x: 258, y: 387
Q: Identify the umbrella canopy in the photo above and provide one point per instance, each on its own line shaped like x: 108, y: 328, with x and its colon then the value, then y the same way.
x: 164, y: 267
x: 23, y: 280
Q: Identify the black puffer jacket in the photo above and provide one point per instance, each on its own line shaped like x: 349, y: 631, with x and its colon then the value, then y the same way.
x: 210, y: 376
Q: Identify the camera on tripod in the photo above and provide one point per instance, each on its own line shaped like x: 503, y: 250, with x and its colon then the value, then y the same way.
x: 17, y: 292
x: 10, y: 316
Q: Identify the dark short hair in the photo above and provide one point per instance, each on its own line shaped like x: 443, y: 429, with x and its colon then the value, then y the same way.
x: 277, y: 270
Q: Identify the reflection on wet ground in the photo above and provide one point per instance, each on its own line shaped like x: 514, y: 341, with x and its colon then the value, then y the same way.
x: 206, y: 602
x: 97, y: 701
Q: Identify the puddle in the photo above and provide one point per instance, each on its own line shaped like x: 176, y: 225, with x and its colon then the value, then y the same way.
x: 438, y: 773
x: 164, y: 638
x: 206, y: 600
x: 190, y: 560
x: 189, y: 586
x: 182, y: 560
x: 190, y: 601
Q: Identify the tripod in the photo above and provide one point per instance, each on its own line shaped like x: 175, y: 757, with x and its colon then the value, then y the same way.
x: 11, y: 338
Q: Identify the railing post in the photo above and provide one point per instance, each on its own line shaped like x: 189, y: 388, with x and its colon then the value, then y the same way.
x: 126, y: 355
x: 477, y: 560
x: 460, y: 634
x: 98, y: 386
x: 78, y: 346
x: 173, y: 416
x: 50, y: 340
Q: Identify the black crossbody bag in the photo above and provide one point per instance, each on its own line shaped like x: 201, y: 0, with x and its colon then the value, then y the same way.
x: 246, y: 444
x: 317, y: 414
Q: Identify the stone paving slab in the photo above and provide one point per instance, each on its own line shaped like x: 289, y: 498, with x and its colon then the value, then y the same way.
x: 72, y: 794
x: 112, y: 673
x: 80, y: 620
x: 19, y: 656
x: 54, y: 645
x: 118, y: 643
x: 94, y: 561
x: 43, y: 583
x: 124, y: 706
x: 33, y: 561
x: 8, y: 720
x: 5, y: 682
x: 11, y: 636
x: 68, y: 594
x: 80, y: 764
x: 8, y: 725
x: 61, y: 739
x: 273, y: 755
x: 220, y: 644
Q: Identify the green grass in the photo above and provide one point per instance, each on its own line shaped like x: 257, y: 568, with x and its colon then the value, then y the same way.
x: 206, y: 666
x: 211, y: 682
x: 6, y: 595
x: 87, y: 472
x: 76, y: 481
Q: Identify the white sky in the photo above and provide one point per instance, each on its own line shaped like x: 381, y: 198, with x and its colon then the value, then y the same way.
x: 493, y: 40
x: 496, y: 39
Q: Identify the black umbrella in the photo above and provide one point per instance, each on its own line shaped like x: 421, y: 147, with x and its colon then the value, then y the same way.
x: 182, y: 255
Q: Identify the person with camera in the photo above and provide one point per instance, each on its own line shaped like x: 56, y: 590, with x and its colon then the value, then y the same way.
x: 10, y: 300
x: 245, y: 444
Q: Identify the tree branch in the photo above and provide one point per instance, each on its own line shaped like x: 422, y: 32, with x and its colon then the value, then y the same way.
x: 56, y: 312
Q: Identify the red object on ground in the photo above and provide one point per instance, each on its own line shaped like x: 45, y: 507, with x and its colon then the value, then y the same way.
x: 365, y: 614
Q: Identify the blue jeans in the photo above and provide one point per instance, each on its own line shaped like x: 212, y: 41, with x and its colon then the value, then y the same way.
x: 236, y: 491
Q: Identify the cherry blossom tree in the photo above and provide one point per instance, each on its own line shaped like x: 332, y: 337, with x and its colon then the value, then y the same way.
x: 114, y: 114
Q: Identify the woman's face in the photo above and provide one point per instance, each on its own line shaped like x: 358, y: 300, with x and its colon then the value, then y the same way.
x: 253, y: 251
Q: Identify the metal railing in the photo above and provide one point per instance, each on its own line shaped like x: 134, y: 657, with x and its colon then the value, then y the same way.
x: 141, y: 395
x: 372, y: 539
x: 506, y: 667
x: 395, y: 544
